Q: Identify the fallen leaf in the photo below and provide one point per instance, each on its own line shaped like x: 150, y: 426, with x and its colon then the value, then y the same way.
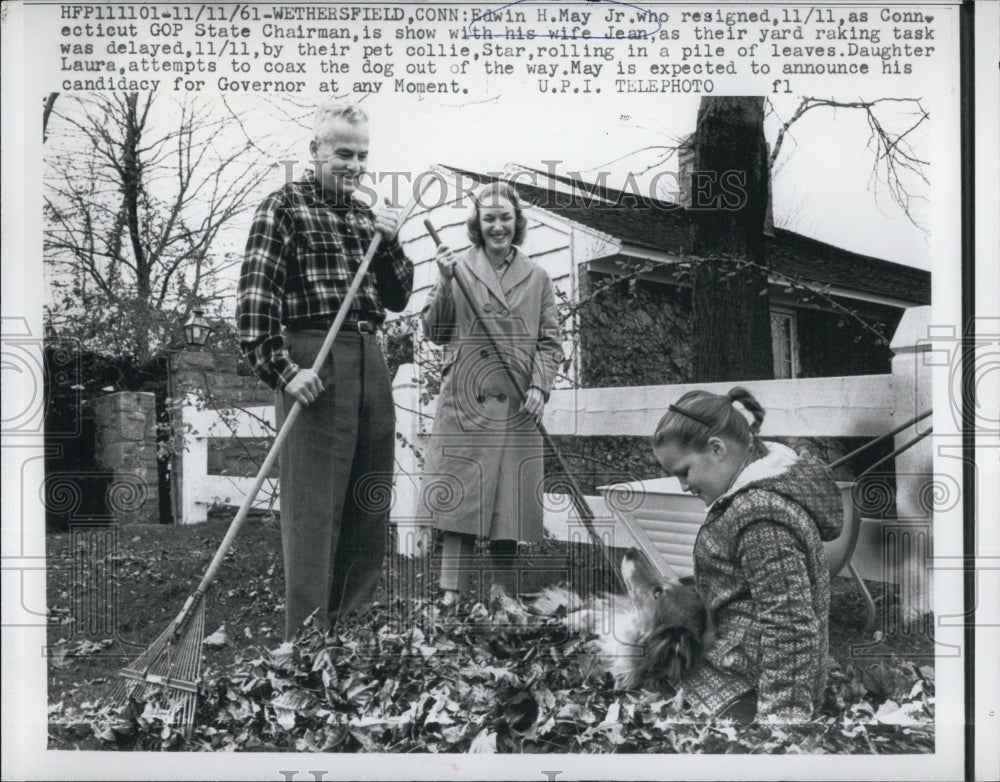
x: 285, y: 718
x: 485, y: 743
x: 164, y: 714
x: 500, y: 674
x: 59, y: 659
x: 105, y: 733
x: 284, y: 656
x: 891, y: 713
x: 611, y: 718
x: 218, y: 639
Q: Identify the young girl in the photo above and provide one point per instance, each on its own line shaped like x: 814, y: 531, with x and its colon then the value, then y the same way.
x: 759, y: 563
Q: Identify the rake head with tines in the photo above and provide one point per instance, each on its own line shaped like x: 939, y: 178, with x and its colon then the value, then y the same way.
x: 170, y: 666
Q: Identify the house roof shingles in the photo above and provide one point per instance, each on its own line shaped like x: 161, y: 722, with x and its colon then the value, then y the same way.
x: 666, y: 227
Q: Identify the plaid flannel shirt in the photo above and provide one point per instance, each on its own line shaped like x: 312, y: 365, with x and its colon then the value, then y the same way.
x: 301, y: 256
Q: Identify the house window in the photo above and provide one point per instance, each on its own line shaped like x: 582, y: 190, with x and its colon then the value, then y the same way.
x: 784, y: 344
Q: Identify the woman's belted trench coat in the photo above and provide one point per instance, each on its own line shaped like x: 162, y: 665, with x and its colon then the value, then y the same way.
x: 483, y: 472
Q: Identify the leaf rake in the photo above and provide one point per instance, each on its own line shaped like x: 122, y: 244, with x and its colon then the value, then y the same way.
x: 171, y: 665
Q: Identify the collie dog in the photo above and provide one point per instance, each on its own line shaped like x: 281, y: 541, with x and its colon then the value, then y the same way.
x: 648, y: 638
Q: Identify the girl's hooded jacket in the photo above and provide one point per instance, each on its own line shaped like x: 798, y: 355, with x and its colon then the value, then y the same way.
x: 762, y: 574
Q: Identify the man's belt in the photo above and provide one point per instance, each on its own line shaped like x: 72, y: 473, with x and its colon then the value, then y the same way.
x: 348, y: 326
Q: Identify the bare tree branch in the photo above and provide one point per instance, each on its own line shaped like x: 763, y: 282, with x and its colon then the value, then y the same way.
x: 895, y: 161
x: 50, y: 101
x: 665, y: 153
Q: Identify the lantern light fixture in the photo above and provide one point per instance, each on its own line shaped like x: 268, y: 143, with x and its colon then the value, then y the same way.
x: 197, y: 329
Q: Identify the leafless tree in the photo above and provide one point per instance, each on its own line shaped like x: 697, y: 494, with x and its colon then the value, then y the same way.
x: 729, y: 277
x: 137, y: 191
x: 730, y: 137
x: 893, y: 124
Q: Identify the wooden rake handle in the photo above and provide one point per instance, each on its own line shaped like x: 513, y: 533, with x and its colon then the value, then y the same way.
x: 289, y: 422
x: 580, y: 503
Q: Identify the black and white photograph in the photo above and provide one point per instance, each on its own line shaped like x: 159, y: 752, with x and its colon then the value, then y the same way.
x: 581, y: 383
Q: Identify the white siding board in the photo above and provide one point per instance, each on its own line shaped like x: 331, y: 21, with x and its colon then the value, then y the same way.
x: 858, y: 406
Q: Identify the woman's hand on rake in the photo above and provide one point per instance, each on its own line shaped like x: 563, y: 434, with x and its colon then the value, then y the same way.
x: 446, y: 262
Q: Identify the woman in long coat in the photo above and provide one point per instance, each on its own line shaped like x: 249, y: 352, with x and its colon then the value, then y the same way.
x: 484, y: 469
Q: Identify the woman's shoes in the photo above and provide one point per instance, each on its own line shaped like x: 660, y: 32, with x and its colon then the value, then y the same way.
x: 507, y: 609
x: 502, y: 606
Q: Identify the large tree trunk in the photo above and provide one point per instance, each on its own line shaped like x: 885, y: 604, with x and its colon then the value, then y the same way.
x: 132, y: 178
x: 732, y: 321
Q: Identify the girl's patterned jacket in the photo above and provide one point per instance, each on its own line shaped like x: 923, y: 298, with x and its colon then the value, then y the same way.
x: 761, y: 572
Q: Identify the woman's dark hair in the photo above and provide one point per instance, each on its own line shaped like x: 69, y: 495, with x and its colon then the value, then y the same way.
x: 490, y: 195
x: 699, y: 415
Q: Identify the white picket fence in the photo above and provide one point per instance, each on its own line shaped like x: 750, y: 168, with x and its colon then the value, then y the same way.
x: 198, y: 490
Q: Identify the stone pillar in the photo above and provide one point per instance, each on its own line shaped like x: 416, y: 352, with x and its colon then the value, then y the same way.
x: 190, y: 371
x: 215, y: 376
x: 907, y: 539
x: 125, y: 444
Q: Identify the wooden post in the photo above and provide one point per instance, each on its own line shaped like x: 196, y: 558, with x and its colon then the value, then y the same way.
x: 909, y: 557
x: 413, y: 533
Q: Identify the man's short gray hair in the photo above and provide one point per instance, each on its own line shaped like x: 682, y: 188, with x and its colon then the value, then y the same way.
x: 349, y: 112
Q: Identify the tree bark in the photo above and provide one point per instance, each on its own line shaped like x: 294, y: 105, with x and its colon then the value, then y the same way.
x: 732, y: 321
x: 132, y: 185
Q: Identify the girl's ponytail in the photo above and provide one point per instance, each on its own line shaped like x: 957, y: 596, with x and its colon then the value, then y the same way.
x: 699, y: 415
x: 747, y: 406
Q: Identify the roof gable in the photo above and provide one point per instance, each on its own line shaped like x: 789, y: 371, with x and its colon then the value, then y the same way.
x: 666, y: 227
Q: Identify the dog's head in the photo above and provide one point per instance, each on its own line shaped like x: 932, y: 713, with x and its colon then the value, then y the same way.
x: 670, y: 618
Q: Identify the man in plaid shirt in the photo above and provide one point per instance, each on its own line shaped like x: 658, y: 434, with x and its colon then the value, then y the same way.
x: 305, y: 246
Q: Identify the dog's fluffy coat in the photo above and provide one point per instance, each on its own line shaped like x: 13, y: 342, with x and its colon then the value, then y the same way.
x: 648, y: 638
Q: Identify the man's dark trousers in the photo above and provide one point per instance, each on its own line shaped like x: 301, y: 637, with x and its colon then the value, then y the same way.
x: 336, y: 479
